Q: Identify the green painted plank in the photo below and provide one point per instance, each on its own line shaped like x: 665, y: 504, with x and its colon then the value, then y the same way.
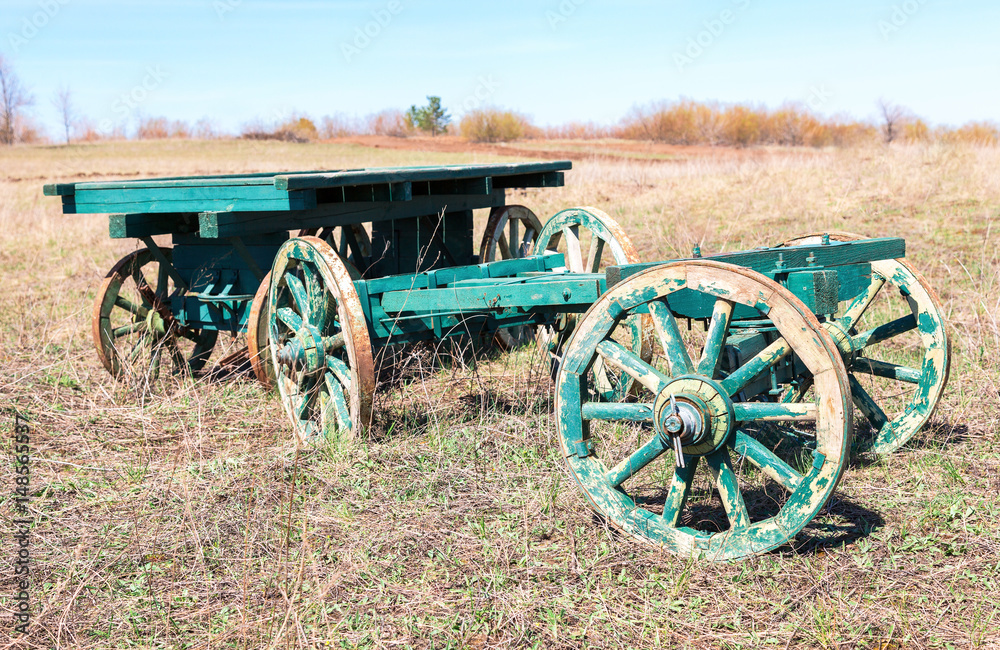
x: 561, y: 293
x: 227, y: 224
x: 794, y: 258
x: 151, y: 194
x: 413, y: 174
x: 292, y: 203
x: 445, y: 277
x: 543, y: 179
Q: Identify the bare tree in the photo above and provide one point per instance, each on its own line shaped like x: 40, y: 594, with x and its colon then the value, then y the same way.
x: 63, y: 102
x: 14, y: 98
x: 893, y: 116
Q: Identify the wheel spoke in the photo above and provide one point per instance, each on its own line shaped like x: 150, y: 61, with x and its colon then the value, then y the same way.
x: 775, y: 412
x: 180, y: 365
x: 596, y: 251
x: 124, y: 330
x: 161, y: 280
x: 616, y: 411
x: 145, y: 340
x: 767, y: 461
x: 339, y: 370
x: 129, y: 306
x: 289, y: 318
x: 764, y: 359
x: 729, y: 489
x: 337, y: 400
x: 636, y: 461
x: 299, y: 294
x: 861, y: 303
x: 715, y: 339
x: 514, y: 239
x: 526, y: 241
x: 887, y: 370
x: 680, y: 488
x: 574, y: 257
x: 504, y: 247
x: 615, y: 354
x: 883, y: 332
x: 670, y: 339
x: 864, y: 401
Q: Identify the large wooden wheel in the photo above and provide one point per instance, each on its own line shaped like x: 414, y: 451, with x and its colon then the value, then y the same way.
x: 318, y: 340
x: 135, y: 332
x: 896, y: 349
x: 570, y: 232
x: 658, y: 465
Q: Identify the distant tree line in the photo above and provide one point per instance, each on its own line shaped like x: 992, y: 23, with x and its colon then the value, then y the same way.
x: 680, y: 122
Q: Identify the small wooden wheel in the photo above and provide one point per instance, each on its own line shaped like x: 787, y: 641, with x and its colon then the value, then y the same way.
x: 351, y: 242
x: 133, y: 327
x: 896, y: 349
x: 568, y: 232
x: 698, y: 404
x: 319, y: 343
x: 510, y: 223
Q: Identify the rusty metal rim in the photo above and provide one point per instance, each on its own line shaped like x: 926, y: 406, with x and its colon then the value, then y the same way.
x: 260, y: 359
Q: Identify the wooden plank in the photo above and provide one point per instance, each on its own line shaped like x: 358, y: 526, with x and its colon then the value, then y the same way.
x: 293, y: 202
x: 121, y: 226
x: 227, y: 224
x: 59, y: 189
x: 197, y: 193
x: 412, y: 174
x: 466, y: 274
x: 221, y: 180
x: 793, y: 258
x: 543, y: 179
x: 563, y: 292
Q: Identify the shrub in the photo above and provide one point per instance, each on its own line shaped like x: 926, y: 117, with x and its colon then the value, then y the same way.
x: 390, y: 122
x: 493, y: 125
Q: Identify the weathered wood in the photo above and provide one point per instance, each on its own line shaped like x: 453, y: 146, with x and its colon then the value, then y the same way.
x: 226, y: 224
x: 413, y: 174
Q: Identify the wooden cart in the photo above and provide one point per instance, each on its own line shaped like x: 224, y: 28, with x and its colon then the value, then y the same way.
x: 789, y: 341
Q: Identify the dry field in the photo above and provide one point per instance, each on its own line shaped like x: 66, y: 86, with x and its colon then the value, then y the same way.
x: 187, y: 516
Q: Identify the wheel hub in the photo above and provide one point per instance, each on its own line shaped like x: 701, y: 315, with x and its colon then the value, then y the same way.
x: 304, y: 352
x: 696, y: 411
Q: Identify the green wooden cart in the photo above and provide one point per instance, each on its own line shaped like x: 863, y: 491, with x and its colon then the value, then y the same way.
x: 749, y: 365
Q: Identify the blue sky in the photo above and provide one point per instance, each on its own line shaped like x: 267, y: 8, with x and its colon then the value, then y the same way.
x: 554, y: 60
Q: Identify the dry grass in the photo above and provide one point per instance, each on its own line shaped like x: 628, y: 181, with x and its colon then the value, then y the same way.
x: 189, y: 518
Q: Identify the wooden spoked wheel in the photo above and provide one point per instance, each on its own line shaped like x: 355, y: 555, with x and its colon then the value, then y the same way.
x: 319, y: 343
x: 135, y: 332
x: 570, y: 232
x: 896, y: 349
x: 351, y: 242
x: 257, y: 348
x: 511, y: 232
x: 621, y: 453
